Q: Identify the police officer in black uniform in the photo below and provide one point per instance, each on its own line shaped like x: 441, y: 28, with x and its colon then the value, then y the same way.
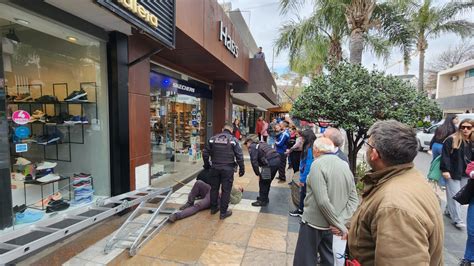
x: 225, y: 152
x: 264, y: 156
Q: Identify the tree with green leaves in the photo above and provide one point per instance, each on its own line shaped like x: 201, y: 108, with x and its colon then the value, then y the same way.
x: 353, y: 98
x: 333, y: 21
x: 424, y: 21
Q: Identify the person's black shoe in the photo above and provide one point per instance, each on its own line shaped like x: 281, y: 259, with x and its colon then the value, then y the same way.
x: 259, y: 203
x: 225, y: 215
x: 186, y: 205
x: 296, y: 213
x: 214, y: 211
x: 464, y: 262
x: 281, y: 180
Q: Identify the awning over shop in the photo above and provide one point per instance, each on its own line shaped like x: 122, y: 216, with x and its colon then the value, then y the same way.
x: 284, y: 108
x: 261, y: 89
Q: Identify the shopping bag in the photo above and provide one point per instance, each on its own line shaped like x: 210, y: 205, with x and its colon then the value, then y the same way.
x: 295, y: 189
x: 435, y: 173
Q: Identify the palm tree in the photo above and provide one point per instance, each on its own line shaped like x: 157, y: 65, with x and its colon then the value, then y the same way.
x: 426, y: 21
x: 314, y: 41
x: 357, y: 16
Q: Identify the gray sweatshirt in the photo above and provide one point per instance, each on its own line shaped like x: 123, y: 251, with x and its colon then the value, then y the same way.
x: 331, y: 195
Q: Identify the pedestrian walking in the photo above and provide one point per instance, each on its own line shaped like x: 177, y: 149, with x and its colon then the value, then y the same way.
x: 306, y: 160
x: 265, y: 162
x: 264, y: 131
x: 456, y: 154
x: 259, y: 127
x: 222, y: 153
x: 441, y: 133
x: 236, y: 129
x: 281, y: 145
x: 330, y: 201
x: 469, y: 252
x: 272, y: 132
x: 399, y: 219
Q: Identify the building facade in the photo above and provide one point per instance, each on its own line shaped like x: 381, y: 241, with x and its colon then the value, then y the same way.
x: 126, y: 92
x: 455, y: 88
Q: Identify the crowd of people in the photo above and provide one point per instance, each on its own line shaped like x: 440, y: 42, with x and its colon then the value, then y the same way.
x: 396, y: 219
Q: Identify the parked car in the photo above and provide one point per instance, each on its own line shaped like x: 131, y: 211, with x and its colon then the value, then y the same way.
x: 424, y: 137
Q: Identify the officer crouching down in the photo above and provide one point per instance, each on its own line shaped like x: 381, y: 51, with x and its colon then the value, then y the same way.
x: 265, y: 163
x: 225, y: 151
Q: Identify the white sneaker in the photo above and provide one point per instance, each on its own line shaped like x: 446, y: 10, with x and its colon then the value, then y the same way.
x: 48, y: 178
x: 460, y: 225
x: 45, y: 165
x: 22, y: 161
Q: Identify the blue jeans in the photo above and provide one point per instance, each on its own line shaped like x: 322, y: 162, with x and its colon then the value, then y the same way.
x: 436, y: 150
x: 469, y: 253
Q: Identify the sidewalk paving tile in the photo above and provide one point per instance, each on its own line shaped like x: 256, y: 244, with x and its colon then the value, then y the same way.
x: 184, y: 250
x: 258, y: 257
x: 157, y: 245
x: 272, y: 221
x: 242, y: 217
x: 265, y: 238
x: 291, y: 240
x: 222, y: 254
x: 236, y: 234
x: 246, y: 205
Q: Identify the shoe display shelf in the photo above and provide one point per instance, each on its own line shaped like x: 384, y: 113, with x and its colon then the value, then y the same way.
x: 41, y: 128
x: 42, y: 184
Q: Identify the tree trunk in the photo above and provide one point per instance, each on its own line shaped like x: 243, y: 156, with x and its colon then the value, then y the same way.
x: 352, y: 154
x: 335, y: 52
x: 421, y: 70
x: 356, y: 46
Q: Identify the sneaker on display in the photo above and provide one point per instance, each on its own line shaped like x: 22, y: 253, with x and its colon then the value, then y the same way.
x: 47, y: 99
x: 76, y: 119
x: 84, y: 120
x: 28, y: 216
x: 57, y: 205
x: 22, y: 161
x: 48, y: 139
x: 24, y: 97
x: 77, y: 96
x: 46, y: 165
x: 48, y: 178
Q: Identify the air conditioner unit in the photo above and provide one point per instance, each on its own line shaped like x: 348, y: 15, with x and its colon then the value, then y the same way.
x: 454, y: 78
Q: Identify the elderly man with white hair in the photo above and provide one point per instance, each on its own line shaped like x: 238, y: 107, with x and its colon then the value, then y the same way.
x: 330, y: 201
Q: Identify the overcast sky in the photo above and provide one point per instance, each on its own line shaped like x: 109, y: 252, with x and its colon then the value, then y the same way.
x: 264, y: 20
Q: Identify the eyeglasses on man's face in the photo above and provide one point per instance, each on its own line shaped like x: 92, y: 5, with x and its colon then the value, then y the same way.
x: 366, y: 142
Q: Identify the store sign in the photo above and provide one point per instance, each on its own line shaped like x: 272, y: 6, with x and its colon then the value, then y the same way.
x: 21, y: 117
x: 155, y: 18
x: 141, y: 11
x: 191, y: 88
x: 22, y: 132
x: 21, y: 147
x: 225, y: 37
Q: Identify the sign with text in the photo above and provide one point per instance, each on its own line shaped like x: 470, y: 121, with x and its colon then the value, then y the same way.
x: 190, y: 87
x: 21, y: 117
x: 224, y: 36
x: 156, y: 18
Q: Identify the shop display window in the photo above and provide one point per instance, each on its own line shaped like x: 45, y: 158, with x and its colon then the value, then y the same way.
x: 57, y: 111
x: 178, y: 126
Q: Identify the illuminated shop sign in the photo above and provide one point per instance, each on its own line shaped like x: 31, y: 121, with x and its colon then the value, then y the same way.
x: 191, y: 87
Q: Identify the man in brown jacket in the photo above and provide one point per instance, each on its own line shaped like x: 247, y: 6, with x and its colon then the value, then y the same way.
x: 399, y: 220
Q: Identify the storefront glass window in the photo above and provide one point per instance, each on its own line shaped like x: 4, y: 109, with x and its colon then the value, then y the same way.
x: 178, y: 125
x: 57, y: 110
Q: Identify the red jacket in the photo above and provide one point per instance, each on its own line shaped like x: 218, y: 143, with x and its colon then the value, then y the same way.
x: 259, y: 128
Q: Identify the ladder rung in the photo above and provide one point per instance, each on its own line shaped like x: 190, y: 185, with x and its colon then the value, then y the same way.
x: 124, y: 239
x: 76, y: 217
x: 134, y: 222
x: 147, y: 208
x: 45, y: 229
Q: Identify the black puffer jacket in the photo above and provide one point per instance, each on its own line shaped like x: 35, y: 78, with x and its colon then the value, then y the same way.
x: 455, y: 161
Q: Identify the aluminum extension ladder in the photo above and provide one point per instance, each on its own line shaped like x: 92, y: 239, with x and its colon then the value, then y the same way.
x: 19, y: 243
x: 138, y: 231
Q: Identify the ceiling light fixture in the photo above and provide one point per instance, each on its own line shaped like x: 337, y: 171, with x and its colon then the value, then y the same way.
x: 71, y: 39
x: 22, y: 21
